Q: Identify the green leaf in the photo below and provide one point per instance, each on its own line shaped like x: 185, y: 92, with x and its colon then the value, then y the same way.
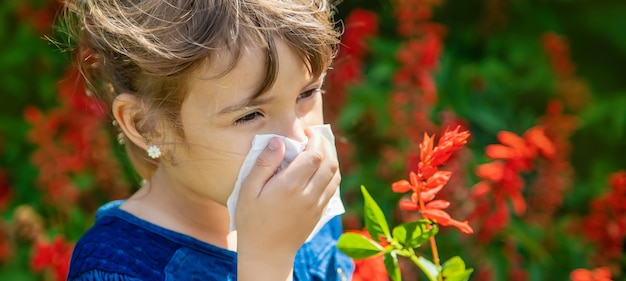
x: 454, y: 264
x: 358, y: 246
x: 462, y: 276
x: 391, y: 264
x: 454, y: 270
x: 415, y: 233
x: 375, y: 221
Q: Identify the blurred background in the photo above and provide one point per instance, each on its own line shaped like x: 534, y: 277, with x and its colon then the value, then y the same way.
x: 540, y: 84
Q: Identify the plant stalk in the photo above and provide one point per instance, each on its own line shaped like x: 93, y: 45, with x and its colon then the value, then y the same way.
x: 433, y: 247
x: 433, y: 244
x: 425, y: 270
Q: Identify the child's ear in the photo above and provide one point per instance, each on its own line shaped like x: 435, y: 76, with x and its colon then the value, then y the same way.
x: 125, y: 110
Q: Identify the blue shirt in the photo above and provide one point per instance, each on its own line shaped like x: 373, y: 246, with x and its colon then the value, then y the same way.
x: 123, y: 247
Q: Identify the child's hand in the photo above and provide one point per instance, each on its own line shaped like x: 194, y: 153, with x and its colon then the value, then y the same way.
x: 276, y: 213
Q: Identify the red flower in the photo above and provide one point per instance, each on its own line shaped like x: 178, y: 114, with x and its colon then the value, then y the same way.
x: 5, y: 189
x: 493, y: 171
x: 360, y: 26
x: 428, y: 181
x: 554, y: 176
x: 40, y: 18
x: 370, y: 269
x: 606, y: 223
x: 71, y: 141
x: 502, y: 180
x: 6, y: 245
x: 537, y: 138
x: 598, y: 274
x: 521, y: 150
x: 53, y: 256
x: 572, y: 90
x: 413, y: 17
x: 431, y: 158
x: 559, y: 53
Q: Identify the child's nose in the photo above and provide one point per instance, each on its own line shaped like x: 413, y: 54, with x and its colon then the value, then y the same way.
x: 294, y: 129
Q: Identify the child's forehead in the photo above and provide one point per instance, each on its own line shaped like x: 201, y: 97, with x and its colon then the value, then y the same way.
x: 224, y: 61
x: 226, y: 70
x: 237, y: 89
x: 247, y: 67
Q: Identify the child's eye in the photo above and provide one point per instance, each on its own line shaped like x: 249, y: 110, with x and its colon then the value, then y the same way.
x: 309, y: 93
x: 250, y: 117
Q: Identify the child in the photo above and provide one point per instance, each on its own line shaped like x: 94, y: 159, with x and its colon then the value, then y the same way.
x: 190, y: 84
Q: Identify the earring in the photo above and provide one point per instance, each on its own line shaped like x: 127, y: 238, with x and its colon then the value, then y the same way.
x: 120, y: 138
x: 154, y: 152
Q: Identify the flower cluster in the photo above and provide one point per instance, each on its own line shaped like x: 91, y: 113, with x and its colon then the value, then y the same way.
x: 572, y: 89
x: 554, y: 175
x: 502, y: 180
x: 413, y: 17
x: 52, y: 256
x: 419, y: 56
x: 40, y: 18
x: 5, y: 189
x: 360, y: 26
x: 6, y: 247
x: 606, y: 223
x: 598, y: 274
x: 428, y: 180
x: 71, y: 143
x: 414, y: 96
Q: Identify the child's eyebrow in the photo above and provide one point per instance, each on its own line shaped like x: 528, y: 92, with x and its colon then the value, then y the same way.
x: 315, y: 81
x: 243, y: 104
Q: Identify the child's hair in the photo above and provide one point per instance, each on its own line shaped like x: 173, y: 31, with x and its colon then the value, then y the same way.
x: 149, y: 48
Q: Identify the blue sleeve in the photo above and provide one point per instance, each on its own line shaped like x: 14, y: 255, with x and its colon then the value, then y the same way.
x: 117, y: 250
x: 342, y: 266
x: 96, y: 275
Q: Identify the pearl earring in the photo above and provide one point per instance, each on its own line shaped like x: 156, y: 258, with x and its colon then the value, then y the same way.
x: 154, y: 152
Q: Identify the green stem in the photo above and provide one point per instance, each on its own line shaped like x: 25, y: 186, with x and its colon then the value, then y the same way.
x: 433, y: 246
x: 425, y: 270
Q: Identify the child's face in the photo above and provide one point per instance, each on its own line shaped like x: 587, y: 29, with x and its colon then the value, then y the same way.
x: 219, y: 122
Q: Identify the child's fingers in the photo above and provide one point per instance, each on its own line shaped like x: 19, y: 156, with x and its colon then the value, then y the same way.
x: 325, y: 181
x: 325, y: 188
x: 314, y: 173
x: 264, y: 168
x: 295, y: 178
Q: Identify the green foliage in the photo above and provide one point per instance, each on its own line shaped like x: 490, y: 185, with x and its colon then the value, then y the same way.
x: 358, y: 246
x: 494, y: 74
x: 454, y: 270
x: 391, y: 265
x: 402, y: 242
x: 414, y: 234
x: 375, y: 221
x: 429, y: 268
x: 31, y: 67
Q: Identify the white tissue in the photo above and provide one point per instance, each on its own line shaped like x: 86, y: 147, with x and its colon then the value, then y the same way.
x: 292, y: 149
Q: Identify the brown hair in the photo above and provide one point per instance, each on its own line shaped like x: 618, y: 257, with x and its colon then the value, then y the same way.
x: 150, y: 47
